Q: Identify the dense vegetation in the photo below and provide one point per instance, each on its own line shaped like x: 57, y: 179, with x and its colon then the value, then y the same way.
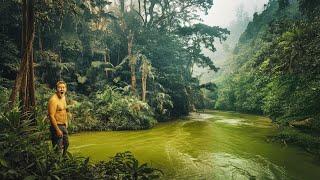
x: 274, y: 70
x: 127, y: 65
x: 104, y: 50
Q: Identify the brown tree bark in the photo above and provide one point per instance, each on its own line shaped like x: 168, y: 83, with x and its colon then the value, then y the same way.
x: 25, y: 77
x: 31, y: 83
x: 105, y: 56
x: 23, y: 66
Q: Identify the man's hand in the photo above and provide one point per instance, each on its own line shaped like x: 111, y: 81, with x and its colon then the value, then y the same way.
x: 59, y: 133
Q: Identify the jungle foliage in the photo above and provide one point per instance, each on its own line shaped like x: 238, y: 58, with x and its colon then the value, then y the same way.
x: 127, y: 66
x: 87, y: 44
x: 275, y: 67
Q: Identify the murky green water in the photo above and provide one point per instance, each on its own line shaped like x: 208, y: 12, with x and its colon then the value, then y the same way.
x: 212, y: 145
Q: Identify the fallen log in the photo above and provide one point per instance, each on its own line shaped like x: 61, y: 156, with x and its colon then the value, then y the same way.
x: 303, y: 123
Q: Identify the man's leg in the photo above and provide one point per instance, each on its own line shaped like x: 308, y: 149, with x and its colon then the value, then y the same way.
x: 57, y: 142
x: 65, y: 139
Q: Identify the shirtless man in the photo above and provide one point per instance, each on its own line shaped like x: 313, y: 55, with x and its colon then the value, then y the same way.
x: 57, y: 110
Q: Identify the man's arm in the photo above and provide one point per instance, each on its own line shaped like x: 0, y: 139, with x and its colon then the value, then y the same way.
x: 52, y: 111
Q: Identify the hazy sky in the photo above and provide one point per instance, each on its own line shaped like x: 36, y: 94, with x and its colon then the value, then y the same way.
x: 224, y: 11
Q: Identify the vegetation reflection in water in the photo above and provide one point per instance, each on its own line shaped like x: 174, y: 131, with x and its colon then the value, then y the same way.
x: 212, y: 145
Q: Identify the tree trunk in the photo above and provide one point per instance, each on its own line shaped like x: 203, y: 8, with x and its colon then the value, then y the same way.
x: 30, y: 86
x: 145, y: 13
x: 105, y: 56
x: 105, y: 61
x: 144, y: 86
x: 109, y: 56
x: 133, y: 78
x: 31, y: 83
x: 25, y: 77
x: 139, y: 2
x: 122, y: 6
x: 23, y: 90
x: 109, y: 60
x: 23, y: 66
x: 132, y: 61
x: 146, y: 66
x: 151, y: 11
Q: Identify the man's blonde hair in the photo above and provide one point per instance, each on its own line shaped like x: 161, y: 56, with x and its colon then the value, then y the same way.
x: 61, y: 82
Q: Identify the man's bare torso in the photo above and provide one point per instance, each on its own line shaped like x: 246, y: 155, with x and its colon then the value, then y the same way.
x: 61, y: 106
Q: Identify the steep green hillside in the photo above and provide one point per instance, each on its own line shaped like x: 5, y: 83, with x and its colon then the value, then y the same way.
x: 275, y: 66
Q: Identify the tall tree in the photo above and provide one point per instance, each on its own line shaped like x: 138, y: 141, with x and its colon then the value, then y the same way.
x: 25, y: 78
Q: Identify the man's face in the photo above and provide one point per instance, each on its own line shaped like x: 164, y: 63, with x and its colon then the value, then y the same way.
x: 61, y: 90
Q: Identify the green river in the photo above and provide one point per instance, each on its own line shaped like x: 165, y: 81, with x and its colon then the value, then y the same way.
x: 212, y: 145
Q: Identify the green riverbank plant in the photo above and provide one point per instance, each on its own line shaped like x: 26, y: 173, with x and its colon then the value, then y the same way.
x: 125, y: 166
